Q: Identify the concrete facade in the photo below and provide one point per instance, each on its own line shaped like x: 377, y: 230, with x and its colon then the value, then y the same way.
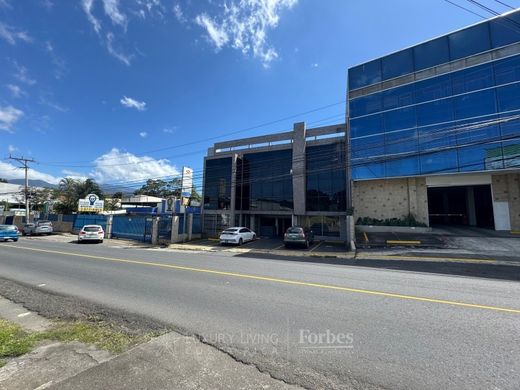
x: 298, y: 140
x: 391, y: 198
x: 506, y: 190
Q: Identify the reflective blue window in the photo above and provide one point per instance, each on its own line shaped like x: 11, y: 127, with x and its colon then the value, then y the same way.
x: 432, y: 89
x: 477, y: 131
x: 398, y: 97
x: 369, y: 148
x: 509, y: 97
x: 439, y: 111
x: 475, y: 104
x: 372, y: 124
x: 511, y: 154
x: 510, y: 126
x: 368, y: 171
x: 403, y: 118
x: 469, y: 41
x: 365, y: 105
x: 477, y: 157
x: 365, y: 74
x: 445, y: 161
x: 473, y: 79
x: 437, y: 137
x: 507, y: 71
x: 504, y: 30
x: 397, y: 64
x: 401, y: 142
x: 402, y: 167
x: 431, y: 53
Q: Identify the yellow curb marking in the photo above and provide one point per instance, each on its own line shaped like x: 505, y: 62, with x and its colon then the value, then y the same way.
x: 276, y: 280
x: 402, y: 242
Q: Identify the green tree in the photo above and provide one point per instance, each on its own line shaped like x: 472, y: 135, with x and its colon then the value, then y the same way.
x: 3, y: 180
x: 71, y: 190
x: 160, y: 188
x: 39, y: 197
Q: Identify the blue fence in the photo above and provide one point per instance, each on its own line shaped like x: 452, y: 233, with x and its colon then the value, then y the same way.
x: 165, y: 226
x: 196, y: 226
x: 84, y: 219
x: 69, y: 217
x: 52, y: 217
x: 135, y: 227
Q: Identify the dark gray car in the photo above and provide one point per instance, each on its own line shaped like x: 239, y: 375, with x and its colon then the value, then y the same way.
x: 297, y: 235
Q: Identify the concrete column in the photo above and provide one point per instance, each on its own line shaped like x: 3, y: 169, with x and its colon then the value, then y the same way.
x: 412, y: 196
x: 155, y: 230
x: 189, y: 226
x: 298, y: 168
x: 108, y: 230
x: 252, y: 222
x: 470, y: 204
x: 175, y: 229
x: 233, y: 189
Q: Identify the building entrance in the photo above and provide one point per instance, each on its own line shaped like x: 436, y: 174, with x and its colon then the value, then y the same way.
x: 272, y: 226
x: 461, y: 205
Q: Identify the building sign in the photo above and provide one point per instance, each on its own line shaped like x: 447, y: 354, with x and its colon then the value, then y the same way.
x: 187, y: 181
x: 91, y: 204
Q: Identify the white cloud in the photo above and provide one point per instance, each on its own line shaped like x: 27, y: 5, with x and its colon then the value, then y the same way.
x: 217, y: 34
x: 123, y: 166
x: 116, y: 52
x: 10, y: 171
x: 12, y: 149
x: 12, y: 36
x: 170, y: 130
x: 87, y: 7
x: 111, y: 8
x: 16, y: 90
x: 22, y: 74
x: 244, y: 25
x: 179, y: 15
x: 59, y: 65
x: 8, y: 117
x: 143, y: 134
x: 132, y: 103
x: 315, y: 65
x: 74, y: 175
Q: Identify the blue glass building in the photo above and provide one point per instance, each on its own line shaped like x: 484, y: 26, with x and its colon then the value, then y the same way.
x: 434, y: 129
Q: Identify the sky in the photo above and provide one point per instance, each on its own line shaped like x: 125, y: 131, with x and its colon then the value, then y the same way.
x: 125, y: 90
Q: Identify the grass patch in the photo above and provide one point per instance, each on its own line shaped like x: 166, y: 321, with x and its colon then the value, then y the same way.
x: 102, y: 335
x: 14, y: 341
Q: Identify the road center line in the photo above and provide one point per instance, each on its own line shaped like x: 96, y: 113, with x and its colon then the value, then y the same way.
x: 275, y: 280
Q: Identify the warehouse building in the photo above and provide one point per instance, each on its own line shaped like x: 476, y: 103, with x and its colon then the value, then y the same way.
x: 434, y: 129
x: 269, y: 183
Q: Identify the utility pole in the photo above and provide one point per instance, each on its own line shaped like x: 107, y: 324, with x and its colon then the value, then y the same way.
x: 25, y: 165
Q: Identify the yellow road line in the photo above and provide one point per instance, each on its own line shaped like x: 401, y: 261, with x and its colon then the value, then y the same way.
x: 402, y: 242
x: 515, y: 231
x: 276, y: 280
x: 366, y: 236
x: 447, y: 259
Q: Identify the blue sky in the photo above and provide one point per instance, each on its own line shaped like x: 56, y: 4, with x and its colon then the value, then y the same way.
x: 113, y: 89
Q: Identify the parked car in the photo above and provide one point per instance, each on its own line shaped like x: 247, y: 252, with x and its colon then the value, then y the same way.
x: 9, y: 232
x: 237, y: 235
x: 297, y: 235
x: 91, y: 233
x: 39, y: 227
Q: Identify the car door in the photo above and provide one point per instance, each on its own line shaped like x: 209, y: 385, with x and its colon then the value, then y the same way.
x: 244, y: 233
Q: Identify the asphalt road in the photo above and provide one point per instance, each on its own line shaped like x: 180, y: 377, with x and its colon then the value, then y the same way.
x: 316, y: 325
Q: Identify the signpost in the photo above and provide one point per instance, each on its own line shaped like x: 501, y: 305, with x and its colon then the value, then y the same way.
x: 91, y: 204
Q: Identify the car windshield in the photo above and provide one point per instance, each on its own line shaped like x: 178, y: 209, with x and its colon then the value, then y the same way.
x: 7, y: 227
x: 294, y: 230
x: 92, y: 228
x: 41, y: 223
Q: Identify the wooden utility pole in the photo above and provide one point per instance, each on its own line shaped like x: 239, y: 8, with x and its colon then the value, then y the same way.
x: 25, y: 165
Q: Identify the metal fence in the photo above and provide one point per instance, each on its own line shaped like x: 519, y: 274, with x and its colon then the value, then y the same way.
x: 85, y: 219
x: 135, y: 227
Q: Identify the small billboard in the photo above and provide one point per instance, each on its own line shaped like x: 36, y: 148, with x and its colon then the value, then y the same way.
x: 187, y: 181
x: 91, y: 204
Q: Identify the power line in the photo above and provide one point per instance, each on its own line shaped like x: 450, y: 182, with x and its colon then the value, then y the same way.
x: 505, y: 5
x: 465, y: 9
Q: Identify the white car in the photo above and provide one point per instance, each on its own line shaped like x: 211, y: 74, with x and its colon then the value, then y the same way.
x: 237, y: 235
x: 91, y: 233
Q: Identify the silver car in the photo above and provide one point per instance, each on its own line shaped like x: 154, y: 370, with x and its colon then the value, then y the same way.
x: 39, y: 227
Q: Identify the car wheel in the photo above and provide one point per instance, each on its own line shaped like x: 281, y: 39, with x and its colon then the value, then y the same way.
x: 15, y: 239
x: 101, y: 241
x: 254, y: 237
x: 240, y: 242
x: 307, y: 244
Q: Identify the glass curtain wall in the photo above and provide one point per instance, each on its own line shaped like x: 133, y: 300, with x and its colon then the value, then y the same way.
x: 466, y: 120
x: 217, y: 184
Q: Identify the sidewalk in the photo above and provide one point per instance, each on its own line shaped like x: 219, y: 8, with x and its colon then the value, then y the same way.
x: 172, y: 361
